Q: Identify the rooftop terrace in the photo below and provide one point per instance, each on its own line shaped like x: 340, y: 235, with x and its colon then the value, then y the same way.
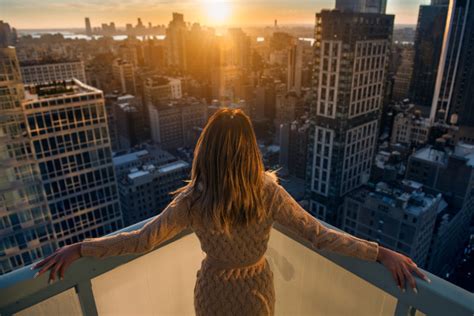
x: 35, y: 92
x: 161, y: 282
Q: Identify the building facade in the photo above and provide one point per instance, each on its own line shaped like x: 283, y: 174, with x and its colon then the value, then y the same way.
x: 403, y: 76
x: 454, y: 90
x: 295, y: 67
x: 34, y: 72
x: 158, y: 88
x: 447, y: 170
x: 124, y: 73
x: 67, y: 127
x: 362, y: 6
x: 401, y: 218
x: 428, y: 45
x: 351, y: 57
x: 410, y: 129
x: 145, y: 189
x: 26, y: 232
x: 177, y: 123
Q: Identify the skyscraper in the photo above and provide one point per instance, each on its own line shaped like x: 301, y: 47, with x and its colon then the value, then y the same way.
x: 454, y: 90
x: 26, y: 233
x: 362, y: 6
x: 66, y: 124
x: 176, y: 34
x: 428, y: 44
x: 88, y: 27
x: 295, y: 67
x: 350, y: 60
x: 124, y: 73
x: 403, y: 76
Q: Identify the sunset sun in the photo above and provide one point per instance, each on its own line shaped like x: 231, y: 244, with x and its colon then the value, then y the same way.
x: 217, y: 11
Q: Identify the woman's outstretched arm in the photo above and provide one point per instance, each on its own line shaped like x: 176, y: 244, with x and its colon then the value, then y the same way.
x: 173, y: 220
x: 290, y: 214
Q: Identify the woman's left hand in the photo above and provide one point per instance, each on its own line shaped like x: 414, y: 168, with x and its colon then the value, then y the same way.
x: 401, y: 267
x: 58, y: 261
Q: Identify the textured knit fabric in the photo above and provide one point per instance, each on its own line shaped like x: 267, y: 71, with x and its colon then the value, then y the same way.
x: 235, y: 277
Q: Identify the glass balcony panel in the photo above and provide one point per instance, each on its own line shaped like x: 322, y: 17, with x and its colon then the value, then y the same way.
x: 65, y: 303
x: 158, y: 283
x: 307, y: 283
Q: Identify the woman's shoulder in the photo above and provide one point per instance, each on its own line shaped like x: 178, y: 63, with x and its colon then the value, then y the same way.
x: 271, y: 182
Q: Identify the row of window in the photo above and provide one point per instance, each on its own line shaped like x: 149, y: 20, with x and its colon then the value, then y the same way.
x: 67, y: 118
x: 85, y: 200
x: 84, y: 221
x: 67, y: 143
x: 62, y: 166
x: 105, y: 229
x: 76, y: 184
x: 360, y: 144
x: 63, y: 101
x: 323, y: 142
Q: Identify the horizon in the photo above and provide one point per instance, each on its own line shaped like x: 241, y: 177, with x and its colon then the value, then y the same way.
x: 212, y: 13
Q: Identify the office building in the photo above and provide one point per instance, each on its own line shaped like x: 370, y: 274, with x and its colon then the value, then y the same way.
x: 8, y: 36
x: 448, y: 170
x: 26, y: 231
x: 37, y: 72
x: 176, y: 38
x: 236, y: 49
x: 130, y: 121
x: 88, y: 27
x: 295, y: 67
x: 294, y: 147
x: 410, y: 128
x: 177, y: 123
x: 362, y: 6
x: 158, y: 88
x: 145, y: 189
x: 350, y: 61
x: 428, y: 45
x: 454, y: 91
x: 69, y: 135
x: 124, y: 73
x: 403, y: 75
x: 399, y: 217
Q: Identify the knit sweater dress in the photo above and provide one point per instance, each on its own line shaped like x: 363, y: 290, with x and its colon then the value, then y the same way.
x: 235, y: 277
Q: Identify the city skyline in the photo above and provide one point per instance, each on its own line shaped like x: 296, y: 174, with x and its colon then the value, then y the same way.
x: 206, y: 12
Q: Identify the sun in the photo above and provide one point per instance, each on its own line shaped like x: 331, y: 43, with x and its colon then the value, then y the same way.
x: 217, y: 11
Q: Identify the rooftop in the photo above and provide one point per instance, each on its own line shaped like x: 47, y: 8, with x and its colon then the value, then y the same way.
x: 307, y: 282
x: 408, y: 197
x: 35, y: 92
x: 128, y: 158
x: 149, y: 171
x: 50, y: 61
x: 441, y: 155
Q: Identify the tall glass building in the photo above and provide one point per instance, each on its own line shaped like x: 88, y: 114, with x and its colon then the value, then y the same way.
x: 68, y: 129
x: 454, y: 91
x: 428, y: 45
x: 57, y: 181
x: 26, y: 231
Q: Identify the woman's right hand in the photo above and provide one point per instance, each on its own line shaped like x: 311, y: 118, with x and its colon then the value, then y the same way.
x: 401, y: 267
x: 58, y: 261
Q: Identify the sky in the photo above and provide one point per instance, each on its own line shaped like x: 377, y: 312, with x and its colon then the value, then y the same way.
x: 41, y: 14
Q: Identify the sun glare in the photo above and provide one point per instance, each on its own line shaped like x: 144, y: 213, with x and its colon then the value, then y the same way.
x: 217, y: 12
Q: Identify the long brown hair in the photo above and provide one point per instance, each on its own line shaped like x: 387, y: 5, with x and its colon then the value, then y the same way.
x: 227, y: 173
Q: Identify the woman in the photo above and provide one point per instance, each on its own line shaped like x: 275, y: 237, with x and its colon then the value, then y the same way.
x: 231, y: 203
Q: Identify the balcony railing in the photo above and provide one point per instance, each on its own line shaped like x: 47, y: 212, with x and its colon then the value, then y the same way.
x: 161, y: 282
